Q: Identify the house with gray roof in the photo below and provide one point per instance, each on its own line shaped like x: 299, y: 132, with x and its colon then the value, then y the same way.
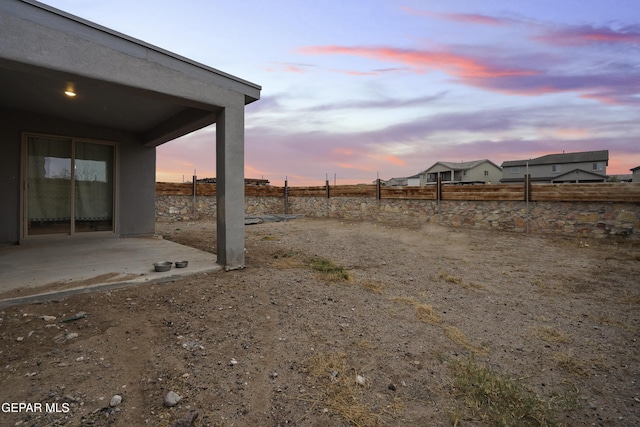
x: 401, y: 181
x: 584, y: 166
x: 474, y: 172
x: 635, y: 177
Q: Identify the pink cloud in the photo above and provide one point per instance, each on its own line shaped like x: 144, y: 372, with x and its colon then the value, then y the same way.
x: 615, y: 85
x: 421, y: 60
x: 612, y: 97
x: 573, y: 133
x: 388, y: 159
x: 465, y: 18
x: 583, y: 35
x: 395, y: 160
x: 347, y: 165
x: 253, y: 172
x: 612, y: 87
x: 294, y: 69
x: 290, y: 68
x: 343, y: 151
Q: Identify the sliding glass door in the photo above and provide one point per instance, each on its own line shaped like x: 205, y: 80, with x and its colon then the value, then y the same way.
x: 69, y: 186
x: 93, y: 195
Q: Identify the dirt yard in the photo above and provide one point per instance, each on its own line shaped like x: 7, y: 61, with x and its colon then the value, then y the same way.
x: 335, y: 324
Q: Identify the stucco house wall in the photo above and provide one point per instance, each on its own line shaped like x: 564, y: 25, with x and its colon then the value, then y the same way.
x: 134, y: 198
x: 546, y: 171
x: 477, y: 173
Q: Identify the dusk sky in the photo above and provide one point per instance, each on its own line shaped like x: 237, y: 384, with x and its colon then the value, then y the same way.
x: 357, y: 88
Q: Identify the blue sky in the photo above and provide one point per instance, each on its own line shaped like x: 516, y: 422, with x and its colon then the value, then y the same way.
x: 360, y: 89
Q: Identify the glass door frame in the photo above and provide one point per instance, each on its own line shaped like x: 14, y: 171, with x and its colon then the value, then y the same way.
x: 24, y: 193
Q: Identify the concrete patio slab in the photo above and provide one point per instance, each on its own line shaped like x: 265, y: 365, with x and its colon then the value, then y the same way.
x: 54, y: 268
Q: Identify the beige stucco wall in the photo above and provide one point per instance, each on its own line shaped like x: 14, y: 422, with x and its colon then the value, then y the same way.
x: 477, y: 173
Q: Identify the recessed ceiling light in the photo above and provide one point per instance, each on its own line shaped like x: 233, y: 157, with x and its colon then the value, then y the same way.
x: 70, y: 93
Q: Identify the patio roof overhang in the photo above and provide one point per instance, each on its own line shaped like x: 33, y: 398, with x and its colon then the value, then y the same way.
x: 120, y: 82
x: 126, y: 85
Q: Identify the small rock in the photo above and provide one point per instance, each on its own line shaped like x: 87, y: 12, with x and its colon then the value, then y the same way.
x: 20, y: 339
x: 71, y: 336
x: 361, y: 380
x: 171, y: 399
x: 273, y: 375
x: 192, y: 345
x: 70, y: 398
x: 48, y: 318
x: 187, y: 420
x: 233, y: 362
x: 115, y: 400
x: 392, y: 387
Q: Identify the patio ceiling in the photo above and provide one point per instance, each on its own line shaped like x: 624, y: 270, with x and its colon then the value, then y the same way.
x: 100, y: 103
x: 120, y: 82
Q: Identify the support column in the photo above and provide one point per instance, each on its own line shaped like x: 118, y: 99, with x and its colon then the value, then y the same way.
x: 230, y: 187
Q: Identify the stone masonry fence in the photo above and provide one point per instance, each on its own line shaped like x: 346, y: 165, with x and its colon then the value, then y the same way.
x: 586, y: 210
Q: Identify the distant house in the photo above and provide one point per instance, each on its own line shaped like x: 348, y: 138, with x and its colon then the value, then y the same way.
x: 635, y: 177
x: 584, y: 166
x: 624, y: 177
x: 413, y: 181
x: 247, y: 181
x: 396, y: 182
x: 475, y: 172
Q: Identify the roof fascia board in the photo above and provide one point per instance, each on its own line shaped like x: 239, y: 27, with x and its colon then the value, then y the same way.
x: 581, y: 172
x: 433, y: 166
x: 49, y: 17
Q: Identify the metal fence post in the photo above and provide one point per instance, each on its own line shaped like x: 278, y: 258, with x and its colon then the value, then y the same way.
x: 195, y: 180
x: 439, y: 195
x: 286, y: 196
x: 527, y: 196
